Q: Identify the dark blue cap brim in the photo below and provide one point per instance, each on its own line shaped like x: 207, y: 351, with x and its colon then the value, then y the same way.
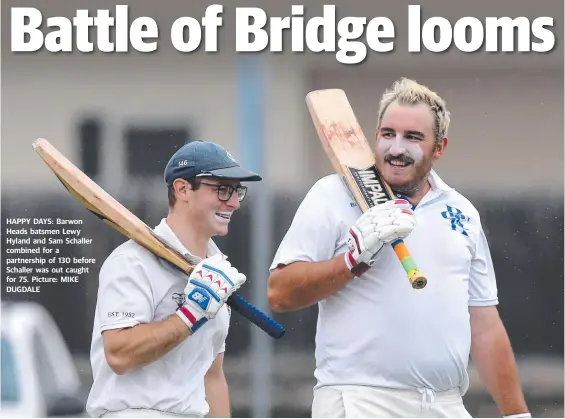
x: 236, y: 173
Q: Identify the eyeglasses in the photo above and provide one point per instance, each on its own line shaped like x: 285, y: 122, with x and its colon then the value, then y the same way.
x: 225, y: 192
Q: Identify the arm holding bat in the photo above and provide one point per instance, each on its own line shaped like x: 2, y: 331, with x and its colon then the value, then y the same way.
x: 130, y: 347
x: 302, y: 283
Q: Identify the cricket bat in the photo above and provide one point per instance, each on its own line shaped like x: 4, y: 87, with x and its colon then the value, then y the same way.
x: 352, y: 158
x: 104, y: 206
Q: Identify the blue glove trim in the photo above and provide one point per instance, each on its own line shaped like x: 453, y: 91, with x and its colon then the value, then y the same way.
x: 198, y: 324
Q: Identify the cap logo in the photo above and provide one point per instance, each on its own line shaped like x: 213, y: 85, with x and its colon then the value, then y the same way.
x: 183, y: 163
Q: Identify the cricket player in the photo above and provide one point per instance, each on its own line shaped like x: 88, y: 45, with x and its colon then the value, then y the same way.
x: 159, y: 335
x: 384, y: 349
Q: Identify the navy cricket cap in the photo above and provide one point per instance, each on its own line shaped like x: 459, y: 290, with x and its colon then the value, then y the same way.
x: 203, y: 158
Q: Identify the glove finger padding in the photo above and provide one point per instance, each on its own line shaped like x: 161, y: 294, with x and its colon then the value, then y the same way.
x: 405, y: 224
x: 378, y: 210
x: 237, y: 280
x: 380, y: 224
x: 399, y: 228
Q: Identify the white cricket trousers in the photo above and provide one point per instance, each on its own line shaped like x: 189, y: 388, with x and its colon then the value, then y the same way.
x: 377, y: 402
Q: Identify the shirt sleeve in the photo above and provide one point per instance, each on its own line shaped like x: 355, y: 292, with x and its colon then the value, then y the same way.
x: 312, y: 235
x: 125, y: 296
x: 223, y: 342
x: 482, y: 280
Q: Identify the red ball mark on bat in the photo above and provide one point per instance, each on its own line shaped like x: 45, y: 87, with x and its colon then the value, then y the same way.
x: 345, y: 134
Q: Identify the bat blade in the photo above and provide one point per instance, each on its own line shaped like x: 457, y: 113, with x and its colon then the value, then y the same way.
x: 352, y: 158
x: 105, y: 207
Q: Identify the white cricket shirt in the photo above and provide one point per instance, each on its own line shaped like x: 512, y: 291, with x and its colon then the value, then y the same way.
x: 138, y: 287
x: 378, y: 330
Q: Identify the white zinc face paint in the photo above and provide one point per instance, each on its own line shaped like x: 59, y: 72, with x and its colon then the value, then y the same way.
x: 398, y: 145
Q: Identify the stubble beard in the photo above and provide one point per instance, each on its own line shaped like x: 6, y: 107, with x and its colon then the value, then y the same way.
x: 412, y: 188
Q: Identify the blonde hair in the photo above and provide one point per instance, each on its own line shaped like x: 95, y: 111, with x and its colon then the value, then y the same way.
x: 409, y: 92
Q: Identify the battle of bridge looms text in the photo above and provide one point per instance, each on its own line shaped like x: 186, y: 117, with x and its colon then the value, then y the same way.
x: 42, y: 252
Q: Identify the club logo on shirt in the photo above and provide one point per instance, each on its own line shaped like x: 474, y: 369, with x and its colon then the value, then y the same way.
x: 457, y: 218
x: 178, y: 298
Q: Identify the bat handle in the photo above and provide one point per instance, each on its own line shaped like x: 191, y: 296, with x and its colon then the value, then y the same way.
x: 416, y: 278
x: 256, y: 316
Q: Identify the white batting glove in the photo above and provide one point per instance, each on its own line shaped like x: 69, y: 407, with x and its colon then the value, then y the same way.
x: 380, y: 224
x: 210, y: 284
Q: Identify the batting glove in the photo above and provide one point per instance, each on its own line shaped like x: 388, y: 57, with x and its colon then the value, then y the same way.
x: 381, y: 224
x: 210, y: 284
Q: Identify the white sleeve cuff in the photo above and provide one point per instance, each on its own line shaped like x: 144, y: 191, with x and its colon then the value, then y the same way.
x: 483, y: 303
x: 118, y: 325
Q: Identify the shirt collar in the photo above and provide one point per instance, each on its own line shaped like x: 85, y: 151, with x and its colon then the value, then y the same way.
x: 437, y: 187
x: 437, y: 183
x: 165, y: 231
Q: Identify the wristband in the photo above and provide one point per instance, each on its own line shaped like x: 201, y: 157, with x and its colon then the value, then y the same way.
x: 357, y: 269
x: 188, y: 318
x: 519, y: 415
x: 349, y: 261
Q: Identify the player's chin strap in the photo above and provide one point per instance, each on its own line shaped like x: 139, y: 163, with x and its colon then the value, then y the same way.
x: 519, y: 415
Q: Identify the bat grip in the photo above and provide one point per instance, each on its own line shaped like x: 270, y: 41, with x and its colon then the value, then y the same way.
x: 256, y: 316
x: 416, y: 278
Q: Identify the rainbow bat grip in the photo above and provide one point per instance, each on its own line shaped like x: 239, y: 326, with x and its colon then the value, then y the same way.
x: 416, y: 278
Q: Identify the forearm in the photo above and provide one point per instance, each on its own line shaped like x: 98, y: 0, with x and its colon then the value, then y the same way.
x: 217, y: 395
x: 143, y: 344
x: 302, y: 284
x: 492, y: 354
